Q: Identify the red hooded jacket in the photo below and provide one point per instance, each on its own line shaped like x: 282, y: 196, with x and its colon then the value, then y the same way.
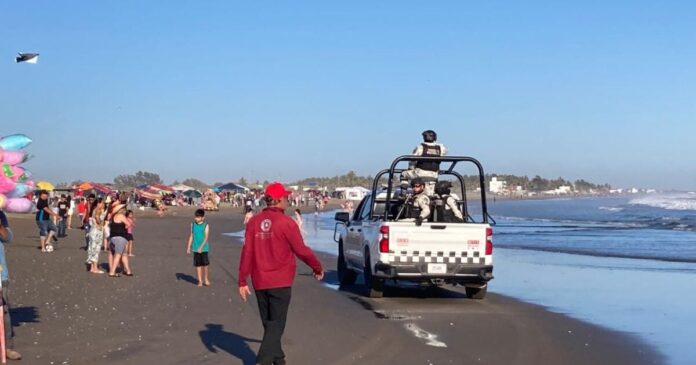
x: 271, y: 242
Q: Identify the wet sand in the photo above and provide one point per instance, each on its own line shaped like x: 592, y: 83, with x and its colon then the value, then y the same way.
x: 64, y: 315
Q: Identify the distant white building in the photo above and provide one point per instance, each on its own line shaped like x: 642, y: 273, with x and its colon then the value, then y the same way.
x: 497, y: 186
x: 561, y: 190
x: 564, y: 189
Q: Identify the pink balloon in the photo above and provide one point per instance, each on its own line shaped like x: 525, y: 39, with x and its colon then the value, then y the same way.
x: 6, y: 184
x: 18, y: 205
x: 12, y: 157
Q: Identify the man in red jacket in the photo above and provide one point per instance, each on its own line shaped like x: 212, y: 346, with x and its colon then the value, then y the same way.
x: 271, y: 242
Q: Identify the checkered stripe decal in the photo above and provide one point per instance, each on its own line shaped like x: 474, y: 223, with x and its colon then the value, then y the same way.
x: 448, y: 257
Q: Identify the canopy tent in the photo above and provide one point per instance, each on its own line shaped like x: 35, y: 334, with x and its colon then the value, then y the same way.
x: 232, y: 187
x: 193, y: 193
x: 182, y: 187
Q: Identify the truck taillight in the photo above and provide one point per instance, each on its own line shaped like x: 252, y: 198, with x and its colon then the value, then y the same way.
x: 384, y: 239
x: 489, y: 241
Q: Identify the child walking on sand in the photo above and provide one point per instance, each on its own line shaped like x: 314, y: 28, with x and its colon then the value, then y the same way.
x: 130, y: 217
x: 198, y: 238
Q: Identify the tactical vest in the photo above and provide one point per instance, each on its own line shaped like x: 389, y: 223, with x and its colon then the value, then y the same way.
x: 411, y: 211
x: 430, y: 151
x: 442, y: 212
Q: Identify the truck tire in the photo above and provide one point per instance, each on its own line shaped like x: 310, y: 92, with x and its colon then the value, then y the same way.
x: 374, y: 286
x: 477, y: 292
x: 346, y: 276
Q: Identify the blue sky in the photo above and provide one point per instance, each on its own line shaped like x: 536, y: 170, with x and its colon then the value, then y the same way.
x: 288, y: 89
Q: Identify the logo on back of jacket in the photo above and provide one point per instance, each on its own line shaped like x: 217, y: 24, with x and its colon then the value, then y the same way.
x: 265, y: 229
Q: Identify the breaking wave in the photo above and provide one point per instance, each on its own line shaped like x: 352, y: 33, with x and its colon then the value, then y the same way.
x: 669, y: 202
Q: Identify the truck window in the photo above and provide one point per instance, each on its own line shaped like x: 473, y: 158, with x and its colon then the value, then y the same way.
x: 365, y: 211
x: 358, y: 210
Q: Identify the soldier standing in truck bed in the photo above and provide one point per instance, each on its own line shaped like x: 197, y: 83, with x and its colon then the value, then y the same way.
x: 427, y: 170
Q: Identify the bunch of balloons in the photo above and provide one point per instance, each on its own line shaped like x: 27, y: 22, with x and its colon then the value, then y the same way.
x: 15, y: 181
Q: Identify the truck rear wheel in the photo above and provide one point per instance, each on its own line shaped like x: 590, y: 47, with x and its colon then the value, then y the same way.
x: 476, y: 292
x: 374, y: 286
x: 346, y: 276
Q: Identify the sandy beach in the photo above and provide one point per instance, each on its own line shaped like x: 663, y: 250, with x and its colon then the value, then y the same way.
x: 64, y: 315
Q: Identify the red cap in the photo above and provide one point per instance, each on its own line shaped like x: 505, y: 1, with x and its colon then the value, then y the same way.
x: 276, y: 191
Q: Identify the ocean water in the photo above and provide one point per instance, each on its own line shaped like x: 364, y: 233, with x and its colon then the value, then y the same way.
x: 624, y: 263
x: 658, y: 227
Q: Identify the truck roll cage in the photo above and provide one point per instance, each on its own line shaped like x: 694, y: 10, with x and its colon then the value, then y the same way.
x: 392, y: 171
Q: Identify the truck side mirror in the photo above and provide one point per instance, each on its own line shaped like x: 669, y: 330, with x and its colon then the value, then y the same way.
x: 342, y: 217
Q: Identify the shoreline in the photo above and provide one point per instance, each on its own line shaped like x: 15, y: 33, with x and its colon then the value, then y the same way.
x: 65, y: 315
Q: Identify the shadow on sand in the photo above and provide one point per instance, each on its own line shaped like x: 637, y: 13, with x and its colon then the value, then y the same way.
x: 21, y: 315
x: 215, y: 338
x: 187, y: 278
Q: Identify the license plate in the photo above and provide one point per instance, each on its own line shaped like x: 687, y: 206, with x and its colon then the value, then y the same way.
x: 437, y: 268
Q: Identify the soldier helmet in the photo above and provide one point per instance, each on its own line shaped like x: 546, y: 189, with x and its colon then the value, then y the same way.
x: 443, y: 187
x: 417, y: 181
x: 429, y: 136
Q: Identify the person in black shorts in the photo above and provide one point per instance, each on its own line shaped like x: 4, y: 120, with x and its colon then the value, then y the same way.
x: 198, y: 240
x: 47, y: 229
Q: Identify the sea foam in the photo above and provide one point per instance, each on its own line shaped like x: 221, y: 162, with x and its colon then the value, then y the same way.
x: 669, y: 202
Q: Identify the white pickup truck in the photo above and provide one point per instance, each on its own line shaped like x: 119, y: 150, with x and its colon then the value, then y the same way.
x: 375, y: 242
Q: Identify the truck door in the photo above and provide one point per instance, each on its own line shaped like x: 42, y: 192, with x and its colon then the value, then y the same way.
x: 354, y: 246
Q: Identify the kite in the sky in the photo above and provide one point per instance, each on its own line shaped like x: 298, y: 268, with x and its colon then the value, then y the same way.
x: 27, y: 57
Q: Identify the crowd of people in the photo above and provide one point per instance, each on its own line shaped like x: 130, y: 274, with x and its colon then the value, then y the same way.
x: 108, y: 226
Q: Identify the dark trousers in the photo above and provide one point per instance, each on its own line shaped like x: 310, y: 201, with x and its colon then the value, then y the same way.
x: 62, y: 226
x: 273, y: 308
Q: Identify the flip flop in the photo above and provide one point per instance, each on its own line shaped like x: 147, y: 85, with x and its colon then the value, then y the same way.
x: 115, y: 275
x: 128, y: 274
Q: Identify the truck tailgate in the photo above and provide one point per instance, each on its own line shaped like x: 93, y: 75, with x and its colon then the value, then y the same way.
x: 461, y: 243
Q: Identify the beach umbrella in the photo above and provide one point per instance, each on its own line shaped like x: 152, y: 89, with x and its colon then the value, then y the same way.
x: 94, y: 186
x: 149, y: 193
x: 193, y: 193
x: 45, y: 185
x: 84, y: 186
x: 101, y: 188
x: 27, y: 57
x: 162, y: 187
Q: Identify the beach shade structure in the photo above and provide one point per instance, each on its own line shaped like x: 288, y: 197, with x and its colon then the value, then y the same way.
x: 232, y: 187
x: 149, y: 193
x: 95, y: 186
x: 45, y: 185
x: 101, y: 188
x: 84, y: 186
x: 182, y: 187
x: 27, y: 58
x: 193, y: 193
x: 162, y: 187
